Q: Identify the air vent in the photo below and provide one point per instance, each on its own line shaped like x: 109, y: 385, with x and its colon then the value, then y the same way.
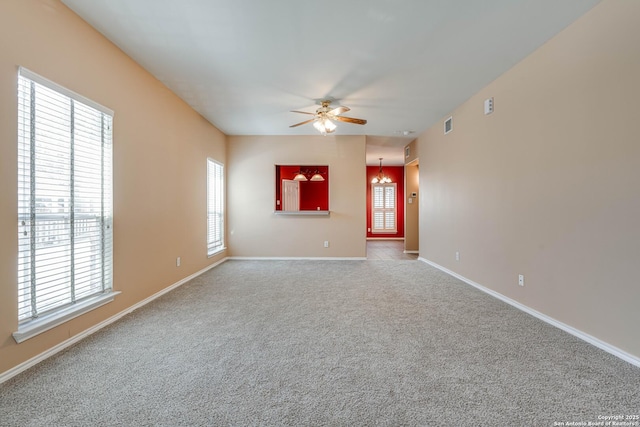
x: 448, y: 125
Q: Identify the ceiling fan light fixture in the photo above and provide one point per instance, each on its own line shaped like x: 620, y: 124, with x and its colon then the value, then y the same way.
x: 325, y: 117
x: 324, y: 125
x: 329, y: 125
x: 319, y: 126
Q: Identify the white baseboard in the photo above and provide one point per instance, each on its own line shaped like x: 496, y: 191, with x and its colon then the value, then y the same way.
x: 401, y: 239
x: 259, y: 258
x: 411, y: 252
x: 69, y: 342
x: 553, y: 322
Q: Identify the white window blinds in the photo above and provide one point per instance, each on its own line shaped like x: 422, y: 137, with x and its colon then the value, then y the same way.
x: 64, y: 197
x: 383, y: 208
x: 215, y: 207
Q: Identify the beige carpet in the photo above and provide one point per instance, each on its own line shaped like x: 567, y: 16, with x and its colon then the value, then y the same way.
x: 335, y: 343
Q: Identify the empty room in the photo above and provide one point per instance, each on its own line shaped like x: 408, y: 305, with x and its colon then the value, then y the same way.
x: 339, y: 213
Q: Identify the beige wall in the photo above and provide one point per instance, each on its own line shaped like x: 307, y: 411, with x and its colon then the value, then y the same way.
x: 413, y: 147
x: 548, y: 185
x: 254, y: 230
x: 160, y: 151
x: 412, y: 211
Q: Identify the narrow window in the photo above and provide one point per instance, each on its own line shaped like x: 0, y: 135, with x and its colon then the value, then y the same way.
x: 215, y: 207
x: 64, y: 199
x: 383, y: 208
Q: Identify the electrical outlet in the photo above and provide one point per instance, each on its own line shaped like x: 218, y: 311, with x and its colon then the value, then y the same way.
x: 521, y: 279
x: 178, y: 262
x: 326, y: 243
x: 457, y: 256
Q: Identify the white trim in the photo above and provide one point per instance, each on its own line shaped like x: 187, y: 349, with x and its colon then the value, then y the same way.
x: 302, y: 213
x: 217, y: 252
x: 383, y: 210
x: 551, y: 321
x: 61, y: 346
x: 318, y: 258
x: 398, y: 239
x: 42, y: 324
x: 24, y: 72
x: 411, y: 252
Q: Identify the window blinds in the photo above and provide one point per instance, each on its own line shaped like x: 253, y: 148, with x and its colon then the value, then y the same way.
x: 383, y: 208
x: 215, y: 207
x: 64, y: 197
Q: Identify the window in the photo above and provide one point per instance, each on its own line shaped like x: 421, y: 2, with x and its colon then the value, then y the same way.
x: 64, y: 204
x: 215, y: 207
x: 383, y: 210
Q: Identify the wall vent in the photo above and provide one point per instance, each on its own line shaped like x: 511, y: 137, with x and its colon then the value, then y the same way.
x: 448, y: 125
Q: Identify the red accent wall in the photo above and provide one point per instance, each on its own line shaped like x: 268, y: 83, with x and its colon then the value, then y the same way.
x: 396, y: 173
x: 313, y: 194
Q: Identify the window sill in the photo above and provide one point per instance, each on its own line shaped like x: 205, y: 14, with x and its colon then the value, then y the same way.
x: 302, y: 213
x: 217, y: 251
x: 37, y: 326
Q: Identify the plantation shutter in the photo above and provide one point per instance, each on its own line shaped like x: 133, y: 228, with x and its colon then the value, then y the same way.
x: 64, y: 197
x: 383, y: 208
x: 215, y: 207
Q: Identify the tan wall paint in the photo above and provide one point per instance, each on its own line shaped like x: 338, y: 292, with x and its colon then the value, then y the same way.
x: 254, y: 230
x: 413, y: 147
x: 412, y: 211
x: 160, y: 151
x: 547, y: 186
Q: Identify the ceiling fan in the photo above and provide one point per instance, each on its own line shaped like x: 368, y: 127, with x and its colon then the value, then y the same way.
x: 324, y: 115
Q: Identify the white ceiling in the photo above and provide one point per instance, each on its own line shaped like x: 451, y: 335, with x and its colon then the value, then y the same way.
x: 400, y: 64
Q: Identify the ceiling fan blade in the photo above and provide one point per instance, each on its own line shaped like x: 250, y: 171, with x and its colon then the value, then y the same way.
x: 302, y: 112
x: 302, y: 123
x: 351, y: 120
x: 339, y: 110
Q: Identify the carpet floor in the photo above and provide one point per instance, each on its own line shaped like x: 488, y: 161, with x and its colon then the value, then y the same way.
x: 324, y: 343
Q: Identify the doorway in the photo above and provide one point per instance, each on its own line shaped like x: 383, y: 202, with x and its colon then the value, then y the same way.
x: 388, y: 250
x: 291, y: 195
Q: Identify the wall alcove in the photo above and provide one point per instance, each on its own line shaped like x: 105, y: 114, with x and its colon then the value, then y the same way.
x: 302, y: 190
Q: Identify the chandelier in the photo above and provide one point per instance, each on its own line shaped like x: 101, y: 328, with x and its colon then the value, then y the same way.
x: 381, y: 178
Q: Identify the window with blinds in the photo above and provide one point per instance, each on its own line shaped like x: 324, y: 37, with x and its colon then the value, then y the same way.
x: 383, y: 208
x: 215, y: 207
x: 64, y: 198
